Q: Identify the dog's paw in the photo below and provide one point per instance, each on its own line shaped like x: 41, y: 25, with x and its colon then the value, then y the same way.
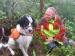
x: 26, y: 55
x: 1, y: 45
x: 12, y: 53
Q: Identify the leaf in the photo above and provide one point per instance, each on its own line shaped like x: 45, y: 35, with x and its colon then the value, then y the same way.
x: 34, y: 54
x: 46, y: 43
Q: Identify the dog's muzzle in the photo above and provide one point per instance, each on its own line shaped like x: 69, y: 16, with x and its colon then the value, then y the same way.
x: 30, y: 30
x: 30, y: 33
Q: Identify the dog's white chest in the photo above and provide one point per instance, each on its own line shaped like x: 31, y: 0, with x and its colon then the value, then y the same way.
x: 24, y: 39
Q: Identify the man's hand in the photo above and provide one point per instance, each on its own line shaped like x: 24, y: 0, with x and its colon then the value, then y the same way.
x: 49, y: 39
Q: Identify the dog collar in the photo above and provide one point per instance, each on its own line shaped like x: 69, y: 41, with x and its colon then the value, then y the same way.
x: 22, y: 34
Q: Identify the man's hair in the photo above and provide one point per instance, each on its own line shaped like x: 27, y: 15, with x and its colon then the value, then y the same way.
x: 53, y: 9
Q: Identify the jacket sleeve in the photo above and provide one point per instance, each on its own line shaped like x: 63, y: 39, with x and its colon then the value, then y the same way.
x: 38, y: 29
x: 61, y: 32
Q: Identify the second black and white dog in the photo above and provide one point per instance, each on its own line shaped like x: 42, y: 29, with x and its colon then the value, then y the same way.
x: 25, y: 27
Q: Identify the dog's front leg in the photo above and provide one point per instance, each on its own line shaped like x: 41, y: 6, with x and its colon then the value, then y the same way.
x: 26, y: 49
x: 11, y: 51
x: 23, y: 50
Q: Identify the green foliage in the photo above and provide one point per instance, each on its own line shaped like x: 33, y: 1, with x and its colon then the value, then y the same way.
x: 2, y: 15
x: 63, y: 51
x: 34, y: 54
x: 70, y: 27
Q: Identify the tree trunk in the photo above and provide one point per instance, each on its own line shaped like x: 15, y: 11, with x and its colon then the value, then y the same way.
x: 41, y: 5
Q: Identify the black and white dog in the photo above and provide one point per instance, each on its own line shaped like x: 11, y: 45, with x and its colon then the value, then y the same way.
x: 25, y: 27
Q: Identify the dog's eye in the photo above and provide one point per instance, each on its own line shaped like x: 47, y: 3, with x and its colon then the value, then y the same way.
x: 26, y: 23
x: 26, y: 28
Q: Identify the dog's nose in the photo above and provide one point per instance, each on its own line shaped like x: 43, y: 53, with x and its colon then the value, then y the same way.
x: 30, y: 30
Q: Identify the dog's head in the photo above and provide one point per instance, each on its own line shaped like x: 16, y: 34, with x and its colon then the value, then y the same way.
x: 27, y: 22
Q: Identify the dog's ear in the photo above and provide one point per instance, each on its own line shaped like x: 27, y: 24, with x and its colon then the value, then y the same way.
x: 23, y: 21
x: 20, y: 21
x: 34, y: 24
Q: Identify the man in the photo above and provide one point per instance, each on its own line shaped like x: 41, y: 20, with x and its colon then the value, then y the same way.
x: 50, y: 28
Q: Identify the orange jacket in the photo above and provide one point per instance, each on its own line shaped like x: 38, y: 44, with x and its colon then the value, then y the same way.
x: 57, y: 22
x: 14, y: 33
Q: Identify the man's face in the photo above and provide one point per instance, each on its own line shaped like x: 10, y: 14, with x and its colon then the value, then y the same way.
x: 49, y: 15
